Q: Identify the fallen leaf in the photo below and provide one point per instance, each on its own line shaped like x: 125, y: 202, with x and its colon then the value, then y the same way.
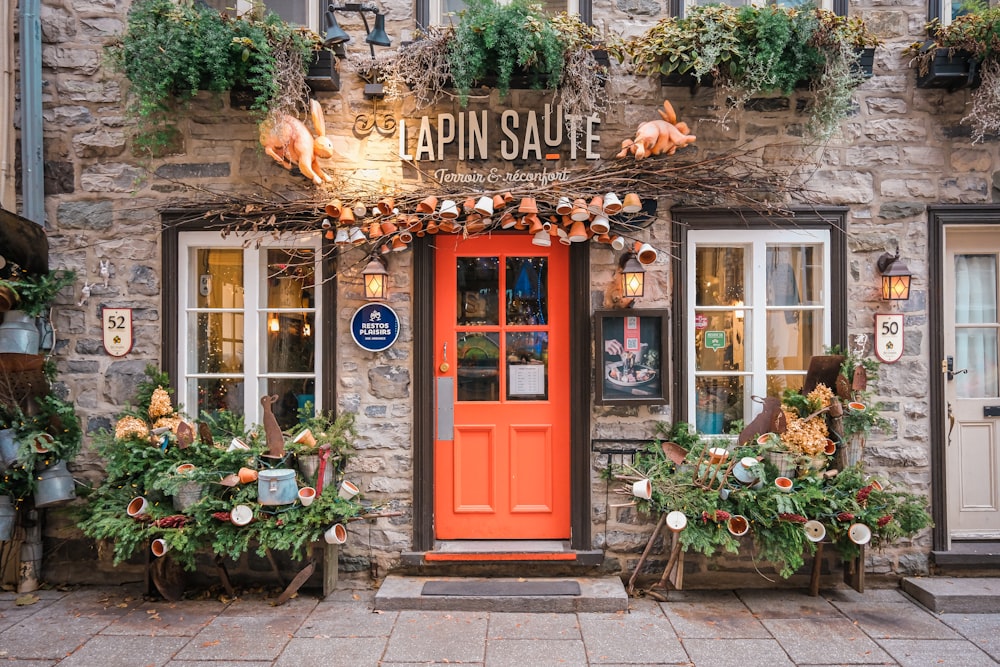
x: 356, y: 596
x: 25, y: 600
x: 122, y: 605
x: 215, y: 643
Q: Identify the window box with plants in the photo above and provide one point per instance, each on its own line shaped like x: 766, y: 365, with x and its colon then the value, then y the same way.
x: 748, y: 51
x: 170, y: 51
x: 502, y: 46
x: 963, y: 54
x: 153, y: 460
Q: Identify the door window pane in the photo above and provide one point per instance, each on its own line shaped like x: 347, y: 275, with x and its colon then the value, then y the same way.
x: 527, y: 365
x: 293, y: 394
x: 219, y: 341
x: 716, y: 345
x: 976, y: 350
x: 527, y: 278
x: 217, y: 394
x: 478, y: 285
x: 478, y: 367
x: 291, y: 347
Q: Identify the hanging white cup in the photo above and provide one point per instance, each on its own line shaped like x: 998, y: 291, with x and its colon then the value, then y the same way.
x: 348, y: 490
x: 159, y: 547
x: 642, y: 489
x: 336, y: 534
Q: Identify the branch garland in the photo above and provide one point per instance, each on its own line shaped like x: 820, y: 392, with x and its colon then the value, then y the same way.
x: 740, y: 178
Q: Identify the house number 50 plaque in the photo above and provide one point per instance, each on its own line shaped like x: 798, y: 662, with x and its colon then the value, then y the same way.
x: 117, y: 331
x: 889, y: 337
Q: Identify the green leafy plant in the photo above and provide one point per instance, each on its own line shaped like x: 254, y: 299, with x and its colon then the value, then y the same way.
x: 170, y: 51
x: 327, y: 428
x: 750, y: 50
x: 36, y: 292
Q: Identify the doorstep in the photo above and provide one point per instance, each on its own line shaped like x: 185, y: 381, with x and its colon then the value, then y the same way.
x: 498, y: 551
x: 955, y: 595
x: 502, y: 594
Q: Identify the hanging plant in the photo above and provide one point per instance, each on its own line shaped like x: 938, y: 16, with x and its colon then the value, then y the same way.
x: 170, y: 51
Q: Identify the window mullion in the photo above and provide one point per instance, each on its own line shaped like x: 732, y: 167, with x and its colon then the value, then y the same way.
x: 254, y: 326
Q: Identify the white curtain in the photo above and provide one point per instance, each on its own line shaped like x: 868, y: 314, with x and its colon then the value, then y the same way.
x: 976, y: 347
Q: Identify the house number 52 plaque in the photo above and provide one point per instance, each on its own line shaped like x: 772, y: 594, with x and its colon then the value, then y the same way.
x: 117, y: 331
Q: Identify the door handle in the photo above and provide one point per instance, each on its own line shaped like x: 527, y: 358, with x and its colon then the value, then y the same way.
x: 951, y: 423
x: 948, y: 366
x: 444, y: 359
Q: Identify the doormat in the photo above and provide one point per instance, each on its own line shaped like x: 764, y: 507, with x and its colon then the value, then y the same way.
x: 501, y: 588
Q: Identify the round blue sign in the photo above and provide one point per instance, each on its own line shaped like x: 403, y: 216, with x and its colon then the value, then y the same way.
x: 375, y: 327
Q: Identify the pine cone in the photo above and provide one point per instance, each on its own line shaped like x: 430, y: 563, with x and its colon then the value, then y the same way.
x: 793, y: 518
x: 845, y: 516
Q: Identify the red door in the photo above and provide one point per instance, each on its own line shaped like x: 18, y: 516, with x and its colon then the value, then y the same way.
x: 501, y: 457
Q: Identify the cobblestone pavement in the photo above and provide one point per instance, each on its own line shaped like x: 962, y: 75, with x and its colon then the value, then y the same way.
x: 110, y: 627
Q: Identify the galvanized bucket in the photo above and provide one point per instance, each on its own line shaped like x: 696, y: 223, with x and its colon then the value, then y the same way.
x: 187, y: 495
x: 309, y: 467
x: 8, y: 448
x: 277, y: 487
x: 55, y: 486
x: 7, y: 517
x: 18, y: 333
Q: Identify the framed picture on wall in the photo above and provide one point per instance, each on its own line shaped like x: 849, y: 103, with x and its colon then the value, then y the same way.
x: 631, y: 353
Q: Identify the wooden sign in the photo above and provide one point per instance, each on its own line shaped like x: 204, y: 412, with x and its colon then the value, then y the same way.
x: 117, y: 331
x: 888, y: 337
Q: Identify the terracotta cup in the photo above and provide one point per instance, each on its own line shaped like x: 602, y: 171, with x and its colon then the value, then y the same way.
x: 631, y: 203
x: 596, y: 206
x: 542, y: 239
x: 578, y: 232
x: 534, y: 224
x: 564, y: 206
x: 647, y: 254
x: 431, y: 228
x: 247, y: 475
x: 137, y: 507
x: 336, y: 534
x: 449, y: 210
x: 783, y: 484
x: 507, y: 220
x: 185, y: 468
x: 428, y: 205
x: 398, y: 244
x: 333, y: 208
x: 385, y: 205
x: 612, y: 204
x: 528, y: 205
x: 580, y: 211
x: 738, y: 525
x: 159, y: 547
x: 815, y: 531
x: 307, y: 495
x: 305, y: 437
x: 484, y: 206
x: 348, y: 490
x: 374, y: 230
x: 346, y: 215
x: 498, y: 202
x: 600, y: 225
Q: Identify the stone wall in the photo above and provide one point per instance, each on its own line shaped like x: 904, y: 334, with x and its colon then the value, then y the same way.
x: 901, y: 150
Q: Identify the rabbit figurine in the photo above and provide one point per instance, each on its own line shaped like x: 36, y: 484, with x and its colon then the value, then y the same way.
x: 657, y: 137
x: 289, y: 142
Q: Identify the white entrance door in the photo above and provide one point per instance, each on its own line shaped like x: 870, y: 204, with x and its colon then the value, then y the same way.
x: 972, y: 387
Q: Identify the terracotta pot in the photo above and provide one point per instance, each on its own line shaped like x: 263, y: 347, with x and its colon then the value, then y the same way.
x: 738, y: 525
x: 385, y: 205
x: 596, y: 206
x: 8, y: 299
x: 528, y: 205
x: 333, y: 208
x: 631, y: 203
x: 428, y: 205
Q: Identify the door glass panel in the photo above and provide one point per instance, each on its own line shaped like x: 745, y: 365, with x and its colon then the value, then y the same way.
x: 291, y: 278
x: 527, y: 278
x: 478, y: 367
x: 976, y: 350
x: 793, y: 338
x: 719, y: 403
x: 478, y: 285
x: 976, y: 347
x: 527, y: 365
x: 719, y: 275
x: 220, y: 278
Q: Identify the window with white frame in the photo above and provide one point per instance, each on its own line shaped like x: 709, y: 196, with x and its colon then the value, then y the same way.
x: 306, y: 13
x: 247, y: 325
x: 758, y: 309
x: 443, y: 12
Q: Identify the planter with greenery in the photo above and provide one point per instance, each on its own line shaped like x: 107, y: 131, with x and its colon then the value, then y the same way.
x: 776, y: 516
x: 965, y: 54
x: 170, y: 51
x: 748, y: 51
x: 142, y: 461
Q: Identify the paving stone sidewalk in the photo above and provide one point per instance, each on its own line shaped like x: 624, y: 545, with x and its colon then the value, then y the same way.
x: 112, y: 627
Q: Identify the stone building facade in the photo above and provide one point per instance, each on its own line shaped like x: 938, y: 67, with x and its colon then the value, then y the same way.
x: 902, y: 155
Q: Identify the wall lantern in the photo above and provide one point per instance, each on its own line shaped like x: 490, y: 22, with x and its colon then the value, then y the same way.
x: 375, y: 277
x: 895, y: 277
x: 633, y: 276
